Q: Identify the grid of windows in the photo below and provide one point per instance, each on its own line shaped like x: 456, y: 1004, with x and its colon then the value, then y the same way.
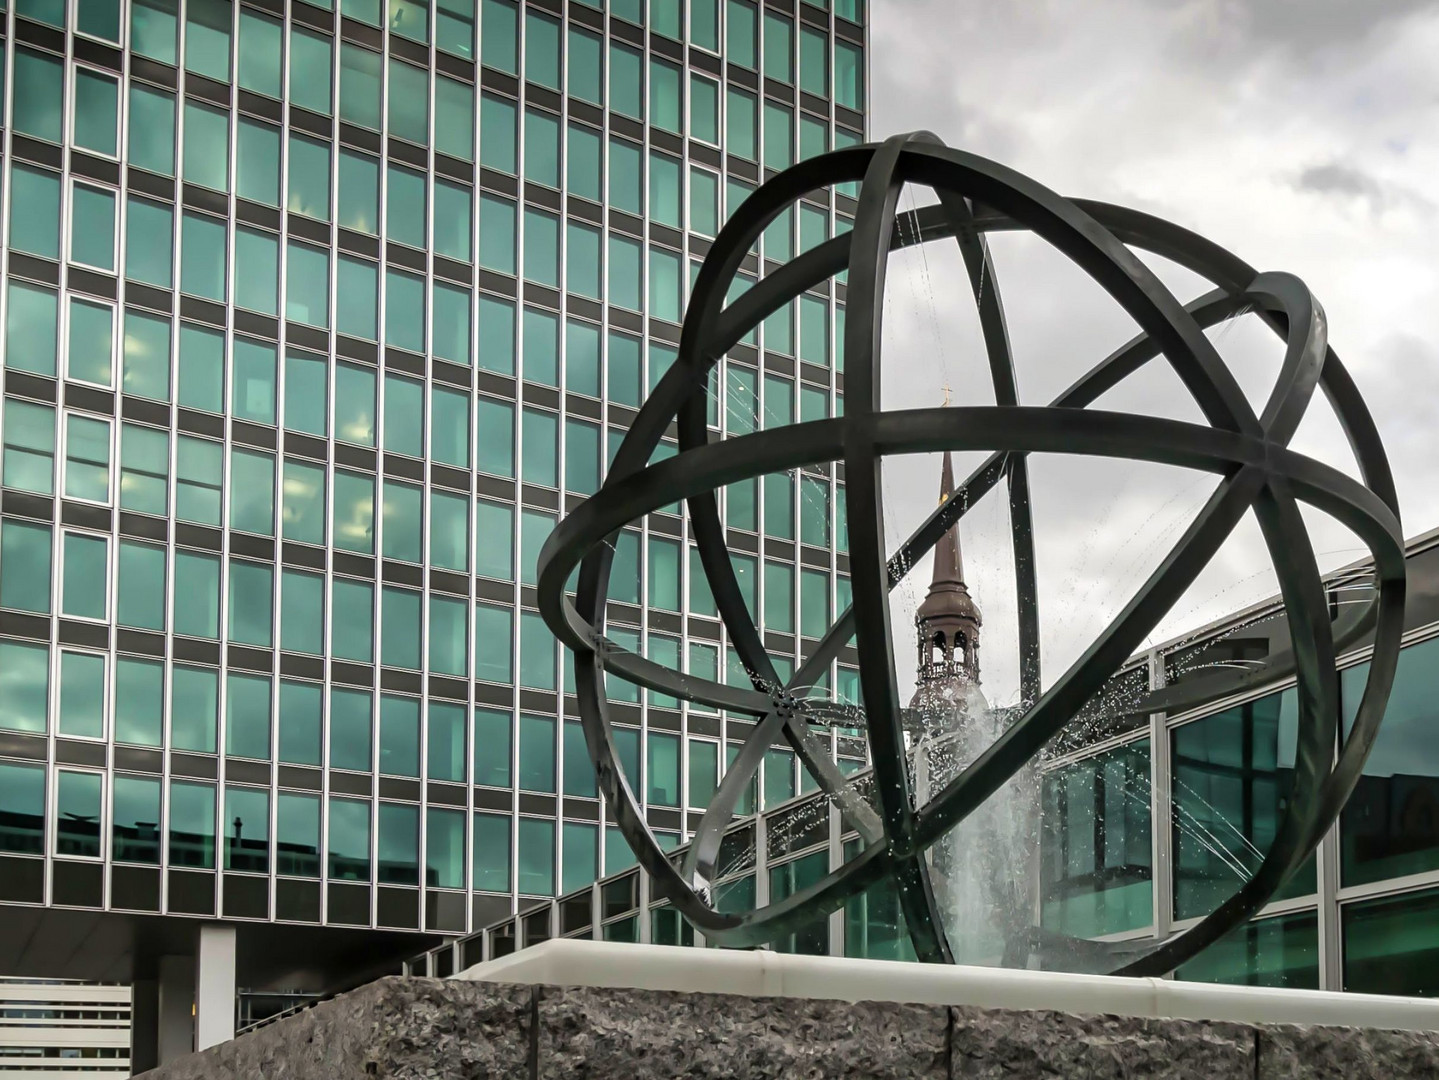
x: 295, y: 394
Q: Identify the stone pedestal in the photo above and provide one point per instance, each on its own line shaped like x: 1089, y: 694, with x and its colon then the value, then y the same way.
x: 428, y: 1029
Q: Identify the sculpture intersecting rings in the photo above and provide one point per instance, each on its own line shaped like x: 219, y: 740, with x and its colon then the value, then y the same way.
x: 1248, y: 452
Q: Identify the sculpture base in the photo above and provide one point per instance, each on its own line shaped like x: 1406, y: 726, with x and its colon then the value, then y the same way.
x: 471, y: 1027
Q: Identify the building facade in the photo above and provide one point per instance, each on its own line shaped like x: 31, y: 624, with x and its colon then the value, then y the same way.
x: 79, y: 1029
x: 316, y: 317
x: 1148, y: 820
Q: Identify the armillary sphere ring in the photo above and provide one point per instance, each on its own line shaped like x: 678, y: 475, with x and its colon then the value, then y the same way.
x: 1248, y: 453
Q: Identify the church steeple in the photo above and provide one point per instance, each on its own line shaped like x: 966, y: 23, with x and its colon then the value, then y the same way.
x: 948, y: 621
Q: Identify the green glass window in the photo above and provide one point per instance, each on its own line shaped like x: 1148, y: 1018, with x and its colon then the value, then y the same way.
x: 409, y: 19
x: 624, y: 369
x: 499, y: 36
x: 495, y: 436
x: 449, y: 635
x: 252, y: 491
x: 39, y: 92
x: 579, y: 865
x: 578, y: 768
x: 704, y: 24
x: 498, y: 133
x: 360, y: 85
x: 302, y: 611
x: 704, y: 109
x: 450, y: 328
x: 741, y: 124
x: 541, y: 347
x: 145, y: 360
x: 87, y: 459
x: 583, y: 168
x: 665, y: 279
x: 813, y: 61
x: 194, y: 706
x: 139, y: 701
x: 492, y: 747
x: 252, y: 390
x: 814, y: 609
x: 96, y: 107
x: 310, y: 67
x: 449, y: 531
x: 251, y: 594
x: 25, y: 704
x: 92, y: 340
x: 261, y: 59
x: 491, y: 842
x: 741, y: 26
x: 404, y: 416
x: 29, y: 461
x: 247, y: 829
x: 778, y: 238
x: 400, y: 627
x: 537, y: 652
x: 626, y: 167
x: 303, y: 510
x: 494, y: 653
x: 92, y: 235
x: 542, y: 49
x: 542, y: 147
x: 197, y: 480
x: 202, y: 368
x: 666, y: 97
x: 35, y: 211
x: 535, y: 528
x: 444, y: 848
x: 778, y: 47
x: 814, y: 515
x: 309, y: 192
x: 207, y: 146
x: 494, y: 540
x: 359, y: 201
x: 354, y: 512
x: 496, y: 334
x: 665, y: 18
x: 78, y: 798
x: 585, y: 66
x: 257, y: 270
x: 297, y: 835
x: 307, y: 284
x: 355, y: 404
x: 357, y: 288
x: 497, y: 234
x: 848, y: 75
x: 151, y: 137
x: 135, y: 820
x: 779, y: 597
x: 306, y: 393
x: 404, y: 310
x: 30, y: 328
x: 82, y: 695
x: 853, y: 10
x: 402, y: 521
x: 349, y: 840
x: 625, y: 273
x: 450, y: 428
x: 452, y: 220
x: 154, y: 29
x: 1280, y: 952
x: 257, y: 162
x: 813, y: 140
x: 703, y: 771
x: 582, y: 358
x: 666, y: 190
x: 399, y: 735
x: 84, y: 586
x: 540, y: 437
x: 778, y: 136
x: 197, y: 592
x: 409, y: 102
x: 536, y: 849
x: 202, y: 256
x: 192, y: 825
x: 352, y: 613
x: 247, y: 715
x: 662, y: 778
x: 455, y: 27
x: 405, y: 206
x: 542, y: 247
x: 445, y: 742
x: 350, y: 729
x: 207, y: 38
x: 582, y: 457
x: 627, y: 76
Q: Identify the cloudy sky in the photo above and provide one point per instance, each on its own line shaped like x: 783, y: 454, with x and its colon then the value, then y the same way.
x: 1300, y: 135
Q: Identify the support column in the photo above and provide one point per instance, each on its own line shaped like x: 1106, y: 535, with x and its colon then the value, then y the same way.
x: 175, y: 1008
x: 215, y: 986
x: 144, y: 1025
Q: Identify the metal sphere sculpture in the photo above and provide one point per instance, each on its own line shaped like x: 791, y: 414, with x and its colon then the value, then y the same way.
x: 1248, y: 452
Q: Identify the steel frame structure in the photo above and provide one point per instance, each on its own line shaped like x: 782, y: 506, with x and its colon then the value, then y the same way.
x: 1248, y: 452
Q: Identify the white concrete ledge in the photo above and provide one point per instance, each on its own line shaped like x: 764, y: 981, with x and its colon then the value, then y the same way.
x: 570, y: 962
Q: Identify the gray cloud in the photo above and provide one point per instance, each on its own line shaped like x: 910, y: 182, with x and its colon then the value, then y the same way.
x: 1346, y: 181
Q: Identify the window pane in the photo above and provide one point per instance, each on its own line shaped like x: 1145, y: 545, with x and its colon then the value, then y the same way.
x: 82, y: 695
x: 449, y: 642
x: 492, y: 747
x: 400, y: 628
x: 497, y: 234
x: 404, y: 416
x: 626, y: 190
x: 626, y: 81
x: 202, y: 368
x: 192, y: 825
x: 96, y: 107
x: 92, y: 341
x: 494, y: 540
x: 496, y: 334
x: 252, y: 397
x: 359, y: 201
x: 491, y: 845
x: 450, y: 428
x: 309, y: 192
x: 445, y: 848
x: 257, y: 270
x: 197, y: 589
x: 445, y: 756
x: 194, y: 705
x: 207, y: 146
x: 247, y: 830
x: 360, y: 79
x: 449, y: 531
x: 310, y: 67
x: 251, y: 602
x: 402, y: 521
x: 151, y: 137
x: 499, y: 35
x: 455, y: 118
x: 494, y: 651
x: 35, y: 211
x: 349, y: 847
x: 135, y: 820
x: 399, y: 735
x: 141, y: 585
x: 450, y: 333
x: 197, y: 487
x: 24, y: 705
x: 355, y: 404
x: 37, y: 103
x: 357, y: 289
x: 260, y: 53
x: 247, y: 715
x: 350, y: 729
x: 307, y: 286
x: 354, y: 523
x: 257, y: 167
x: 300, y: 722
x: 78, y: 813
x: 154, y: 29
x: 585, y: 66
x: 405, y: 310
x: 29, y: 461
x: 452, y: 220
x: 145, y: 360
x: 352, y: 612
x: 302, y: 611
x: 409, y: 102
x: 202, y: 256
x: 536, y: 846
x: 139, y: 701
x: 666, y: 100
x: 297, y: 835
x: 87, y: 459
x: 583, y: 170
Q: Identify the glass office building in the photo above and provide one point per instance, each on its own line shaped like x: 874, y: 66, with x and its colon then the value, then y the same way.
x: 1148, y: 822
x: 316, y: 317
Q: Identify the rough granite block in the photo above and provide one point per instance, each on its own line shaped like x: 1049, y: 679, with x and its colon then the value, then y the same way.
x: 392, y: 1029
x: 599, y: 1034
x: 1019, y: 1045
x: 1332, y: 1053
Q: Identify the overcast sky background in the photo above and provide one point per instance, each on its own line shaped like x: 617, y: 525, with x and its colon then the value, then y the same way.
x: 1299, y: 135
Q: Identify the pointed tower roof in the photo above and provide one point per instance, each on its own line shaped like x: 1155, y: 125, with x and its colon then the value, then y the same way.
x: 948, y: 595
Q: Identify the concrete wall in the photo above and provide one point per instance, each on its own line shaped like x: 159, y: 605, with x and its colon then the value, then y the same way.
x: 427, y: 1029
